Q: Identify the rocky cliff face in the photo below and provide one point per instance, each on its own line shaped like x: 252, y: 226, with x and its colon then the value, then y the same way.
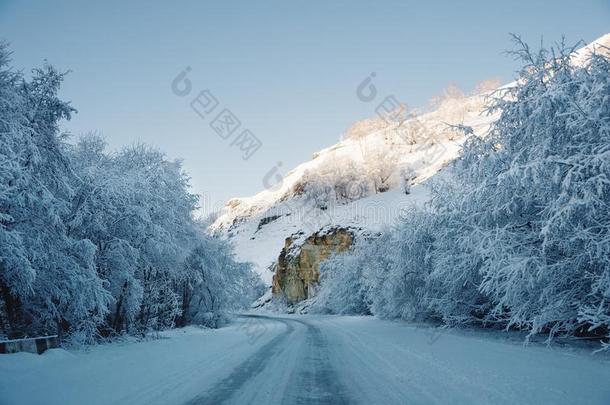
x: 298, y: 266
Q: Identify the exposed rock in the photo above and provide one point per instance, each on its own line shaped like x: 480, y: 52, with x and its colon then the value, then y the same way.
x: 266, y: 220
x: 298, y: 266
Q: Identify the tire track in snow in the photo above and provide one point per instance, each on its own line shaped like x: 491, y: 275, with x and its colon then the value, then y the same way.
x: 312, y: 381
x: 316, y: 379
x: 224, y: 390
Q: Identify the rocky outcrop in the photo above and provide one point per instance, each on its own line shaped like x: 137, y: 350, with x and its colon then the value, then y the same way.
x: 298, y: 266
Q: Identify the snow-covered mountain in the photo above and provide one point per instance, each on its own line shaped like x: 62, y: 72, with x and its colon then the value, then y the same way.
x: 364, y: 181
x: 371, y: 150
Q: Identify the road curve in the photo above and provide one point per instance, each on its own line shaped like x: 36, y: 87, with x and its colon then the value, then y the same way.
x: 311, y: 359
x: 292, y: 368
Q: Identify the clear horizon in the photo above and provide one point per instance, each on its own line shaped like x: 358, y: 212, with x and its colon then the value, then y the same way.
x: 288, y: 72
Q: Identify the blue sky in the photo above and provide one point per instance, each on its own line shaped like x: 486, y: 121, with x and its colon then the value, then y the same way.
x: 287, y: 70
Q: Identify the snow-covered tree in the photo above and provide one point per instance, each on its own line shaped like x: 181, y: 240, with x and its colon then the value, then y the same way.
x: 407, y: 176
x: 344, y: 283
x: 48, y: 277
x: 381, y: 164
x: 518, y: 231
x: 135, y: 205
x: 351, y: 181
x: 317, y: 189
x: 215, y: 284
x: 92, y: 242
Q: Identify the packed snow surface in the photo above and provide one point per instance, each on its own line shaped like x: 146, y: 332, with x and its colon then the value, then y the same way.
x: 270, y: 359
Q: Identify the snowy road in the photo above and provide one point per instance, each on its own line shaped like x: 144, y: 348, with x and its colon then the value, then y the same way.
x: 309, y: 360
x: 293, y: 368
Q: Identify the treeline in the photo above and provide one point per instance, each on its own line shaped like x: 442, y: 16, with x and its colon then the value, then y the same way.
x: 517, y: 234
x: 93, y: 243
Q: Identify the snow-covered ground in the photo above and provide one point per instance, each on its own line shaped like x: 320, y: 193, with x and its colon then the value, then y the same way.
x: 310, y: 359
x: 169, y: 370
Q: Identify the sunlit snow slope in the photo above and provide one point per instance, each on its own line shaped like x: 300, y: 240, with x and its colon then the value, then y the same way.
x: 418, y: 144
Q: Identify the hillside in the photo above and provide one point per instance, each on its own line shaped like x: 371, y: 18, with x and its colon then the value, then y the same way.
x: 360, y: 181
x: 418, y: 148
